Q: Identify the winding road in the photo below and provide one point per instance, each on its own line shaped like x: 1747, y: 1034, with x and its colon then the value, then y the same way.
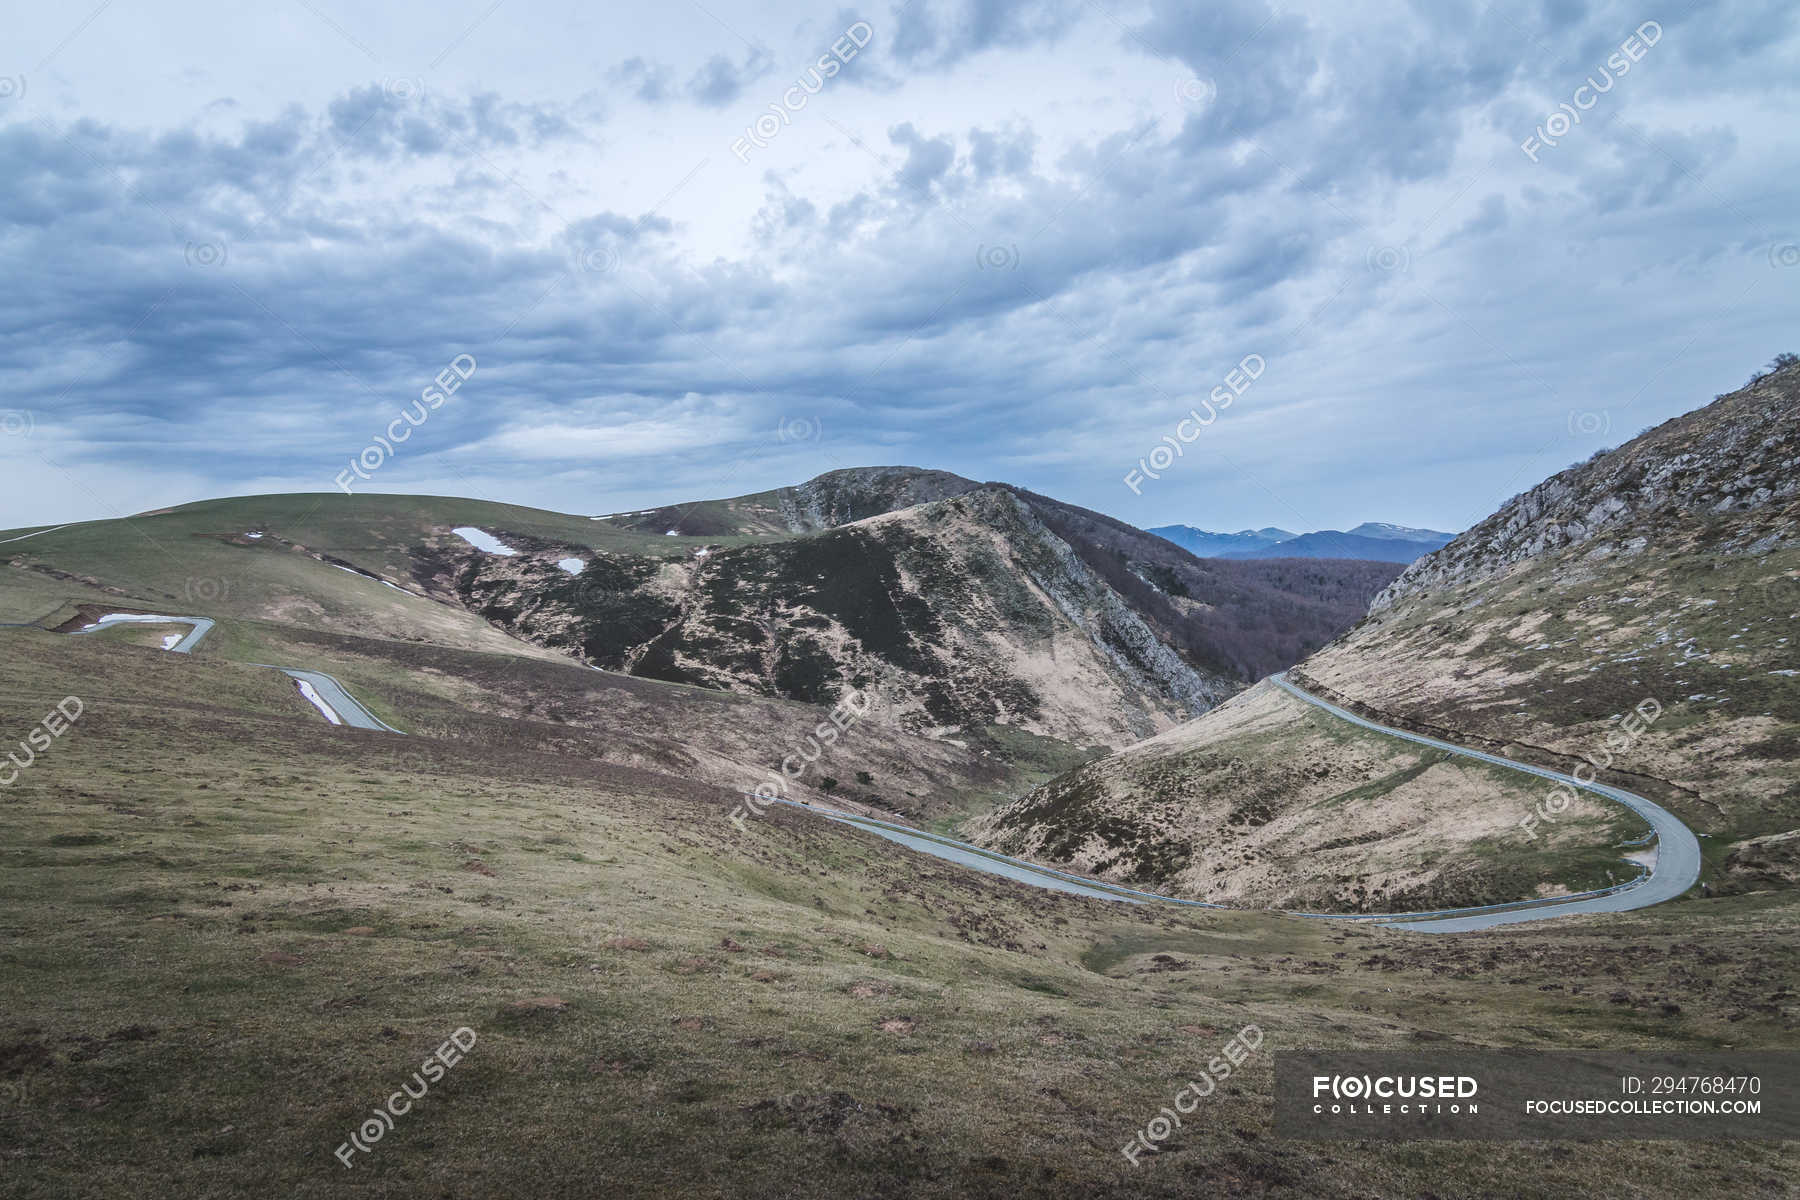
x: 1677, y: 861
x: 1677, y: 849
x: 988, y: 861
x: 1677, y: 866
x: 331, y: 698
x: 201, y: 627
x: 336, y: 696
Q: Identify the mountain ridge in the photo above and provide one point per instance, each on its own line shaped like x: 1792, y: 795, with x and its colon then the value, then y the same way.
x: 1332, y: 543
x: 1659, y: 578
x: 1371, y: 541
x: 1207, y: 544
x: 946, y: 607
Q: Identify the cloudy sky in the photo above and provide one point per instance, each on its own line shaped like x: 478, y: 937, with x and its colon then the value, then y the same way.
x: 1017, y: 241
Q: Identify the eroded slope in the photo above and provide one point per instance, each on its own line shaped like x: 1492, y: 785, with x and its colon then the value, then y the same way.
x: 1269, y: 802
x: 956, y: 614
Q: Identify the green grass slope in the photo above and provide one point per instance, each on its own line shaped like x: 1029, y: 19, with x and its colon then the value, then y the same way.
x: 227, y: 934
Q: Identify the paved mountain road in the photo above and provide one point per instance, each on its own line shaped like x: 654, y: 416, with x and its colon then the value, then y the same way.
x: 334, y: 694
x: 338, y: 697
x: 1677, y: 850
x: 1677, y: 858
x: 201, y: 626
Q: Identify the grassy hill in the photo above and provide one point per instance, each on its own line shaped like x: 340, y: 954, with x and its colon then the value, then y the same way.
x: 961, y: 607
x: 229, y: 931
x: 1268, y: 802
x: 201, y: 559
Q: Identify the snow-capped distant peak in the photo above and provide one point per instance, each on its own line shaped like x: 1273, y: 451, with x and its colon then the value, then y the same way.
x: 1399, y: 533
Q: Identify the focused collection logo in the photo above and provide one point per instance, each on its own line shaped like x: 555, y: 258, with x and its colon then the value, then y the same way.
x: 1394, y: 1095
x: 1471, y: 1094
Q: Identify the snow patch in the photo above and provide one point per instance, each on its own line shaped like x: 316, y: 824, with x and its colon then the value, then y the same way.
x: 571, y: 565
x: 172, y: 640
x: 481, y: 540
x: 253, y: 535
x: 318, y: 702
x: 137, y: 619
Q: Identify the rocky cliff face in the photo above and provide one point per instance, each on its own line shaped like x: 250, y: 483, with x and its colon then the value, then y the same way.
x: 1242, y: 619
x: 1728, y: 473
x: 953, y: 614
x: 1667, y: 570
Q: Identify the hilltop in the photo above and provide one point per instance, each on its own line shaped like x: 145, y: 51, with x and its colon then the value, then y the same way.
x: 1014, y: 632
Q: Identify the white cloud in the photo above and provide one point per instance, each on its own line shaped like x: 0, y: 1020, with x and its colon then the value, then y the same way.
x: 1012, y: 239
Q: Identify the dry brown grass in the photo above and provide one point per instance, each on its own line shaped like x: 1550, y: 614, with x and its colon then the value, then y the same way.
x: 192, y: 1003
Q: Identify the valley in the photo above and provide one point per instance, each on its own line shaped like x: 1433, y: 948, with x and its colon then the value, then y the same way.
x: 1107, y: 804
x: 329, y: 903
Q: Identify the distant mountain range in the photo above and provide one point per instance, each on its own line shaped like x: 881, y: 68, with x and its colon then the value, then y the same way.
x: 1375, y: 541
x: 1203, y: 544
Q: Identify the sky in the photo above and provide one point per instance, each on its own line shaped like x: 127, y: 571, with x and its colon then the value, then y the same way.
x: 1220, y: 264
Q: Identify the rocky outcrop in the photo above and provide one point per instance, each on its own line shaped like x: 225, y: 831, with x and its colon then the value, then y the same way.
x: 857, y: 493
x: 1738, y: 457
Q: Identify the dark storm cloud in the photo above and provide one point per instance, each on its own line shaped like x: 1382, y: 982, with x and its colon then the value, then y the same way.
x: 1032, y: 291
